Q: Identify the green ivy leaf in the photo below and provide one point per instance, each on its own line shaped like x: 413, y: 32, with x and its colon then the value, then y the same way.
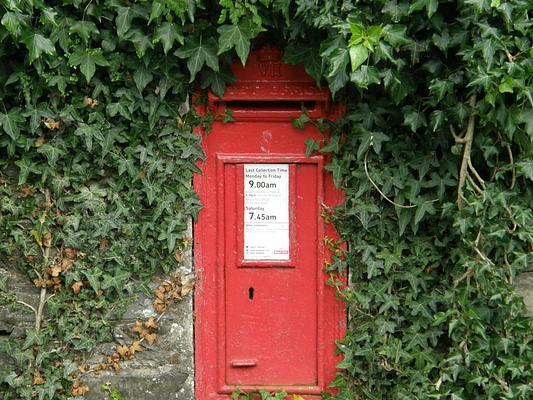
x: 296, y: 53
x: 51, y: 153
x: 311, y: 145
x: 33, y: 338
x: 414, y: 119
x: 114, y: 109
x: 11, y: 121
x: 87, y: 59
x: 506, y: 86
x: 300, y: 121
x: 237, y: 36
x: 422, y: 209
x: 89, y: 132
x: 365, y: 76
x: 123, y: 20
x: 442, y: 40
x: 438, y: 117
x: 216, y: 81
x: 116, y: 281
x: 93, y: 276
x: 26, y: 167
x: 142, y: 77
x: 13, y: 22
x: 84, y: 29
x: 167, y: 33
x: 440, y: 87
x: 338, y: 61
x: 526, y: 168
x: 430, y: 5
x: 336, y: 170
x: 199, y: 52
x: 358, y: 55
x: 37, y: 45
x: 526, y: 117
x: 157, y: 9
x: 395, y: 35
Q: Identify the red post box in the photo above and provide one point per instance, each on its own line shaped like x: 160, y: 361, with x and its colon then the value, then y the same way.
x: 264, y: 316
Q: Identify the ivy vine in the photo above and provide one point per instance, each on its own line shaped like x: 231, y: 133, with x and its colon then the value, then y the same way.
x: 434, y: 154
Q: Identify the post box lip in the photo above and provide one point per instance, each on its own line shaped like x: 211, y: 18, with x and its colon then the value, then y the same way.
x: 266, y: 91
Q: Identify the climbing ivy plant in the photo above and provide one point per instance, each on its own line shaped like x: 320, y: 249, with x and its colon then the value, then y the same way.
x: 434, y: 154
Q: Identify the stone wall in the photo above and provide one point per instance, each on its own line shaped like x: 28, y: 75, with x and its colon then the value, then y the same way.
x: 163, y: 371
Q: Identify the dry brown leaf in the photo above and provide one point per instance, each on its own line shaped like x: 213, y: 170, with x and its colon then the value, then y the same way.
x: 151, y: 324
x: 39, y: 141
x: 37, y: 379
x: 178, y: 255
x: 42, y: 218
x: 160, y: 293
x: 123, y: 351
x: 90, y: 102
x: 116, y: 366
x: 103, y: 245
x: 78, y: 389
x: 57, y: 284
x: 138, y: 327
x: 159, y: 306
x: 47, y: 239
x: 66, y: 264
x: 38, y: 282
x: 187, y: 288
x: 26, y: 192
x: 136, y: 346
x: 51, y: 124
x: 76, y: 287
x: 69, y: 253
x: 150, y: 338
x: 55, y: 270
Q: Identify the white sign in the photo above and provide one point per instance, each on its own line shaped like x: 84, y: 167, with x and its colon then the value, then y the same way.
x: 266, y: 211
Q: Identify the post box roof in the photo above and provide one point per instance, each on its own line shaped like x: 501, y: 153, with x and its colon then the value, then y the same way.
x: 265, y: 77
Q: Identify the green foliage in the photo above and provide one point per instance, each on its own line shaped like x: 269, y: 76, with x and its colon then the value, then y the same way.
x: 434, y: 154
x: 261, y: 395
x: 97, y: 155
x: 114, y: 394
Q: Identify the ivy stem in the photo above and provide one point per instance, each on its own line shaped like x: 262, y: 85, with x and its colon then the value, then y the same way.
x: 46, y: 258
x: 511, y: 161
x: 467, y: 140
x: 378, y: 189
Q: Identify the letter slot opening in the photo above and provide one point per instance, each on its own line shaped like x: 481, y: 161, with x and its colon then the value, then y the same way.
x: 281, y: 105
x: 269, y: 110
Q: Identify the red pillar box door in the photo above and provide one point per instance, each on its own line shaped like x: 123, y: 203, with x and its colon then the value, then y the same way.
x: 264, y: 316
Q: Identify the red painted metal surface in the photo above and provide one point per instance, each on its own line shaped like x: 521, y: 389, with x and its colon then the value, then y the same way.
x: 264, y: 323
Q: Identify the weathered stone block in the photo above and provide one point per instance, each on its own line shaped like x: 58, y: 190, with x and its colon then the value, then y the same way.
x: 164, y: 382
x: 12, y: 316
x: 524, y: 287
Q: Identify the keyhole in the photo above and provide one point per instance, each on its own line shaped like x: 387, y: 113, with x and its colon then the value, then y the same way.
x: 251, y: 293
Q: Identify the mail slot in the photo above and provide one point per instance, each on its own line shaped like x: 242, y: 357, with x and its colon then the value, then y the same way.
x: 264, y: 316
